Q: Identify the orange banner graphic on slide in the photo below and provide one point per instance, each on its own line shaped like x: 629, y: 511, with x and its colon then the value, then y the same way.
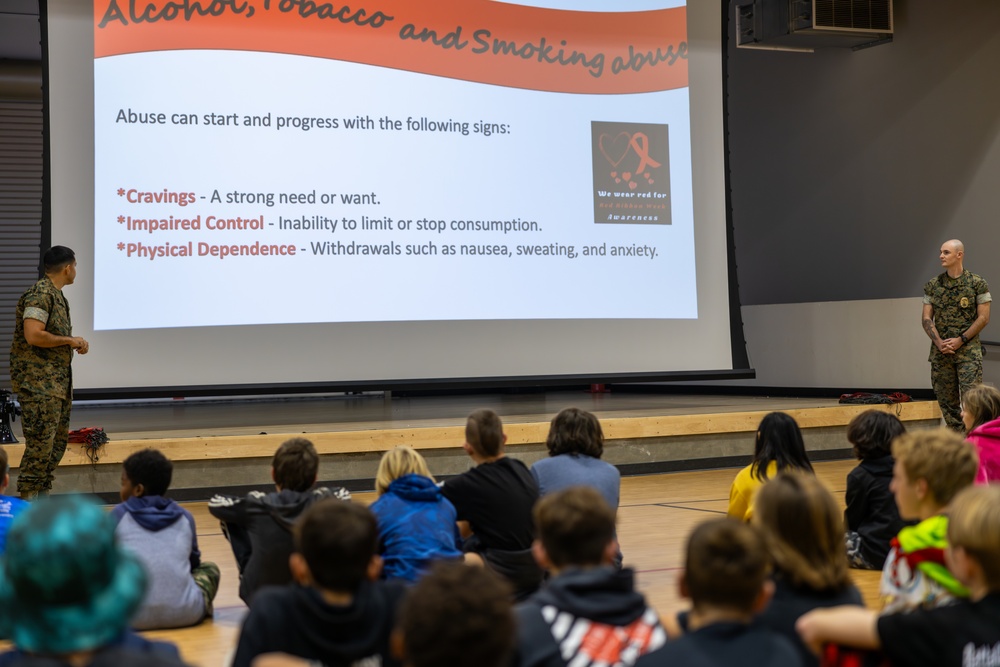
x: 472, y: 40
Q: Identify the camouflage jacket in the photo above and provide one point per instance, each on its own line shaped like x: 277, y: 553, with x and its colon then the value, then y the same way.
x: 955, y: 302
x: 39, y: 370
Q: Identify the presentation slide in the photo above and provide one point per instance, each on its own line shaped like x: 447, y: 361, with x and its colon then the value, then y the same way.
x: 462, y: 165
x: 306, y: 195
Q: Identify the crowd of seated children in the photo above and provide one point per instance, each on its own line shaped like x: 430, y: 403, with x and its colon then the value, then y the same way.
x: 10, y: 506
x: 163, y: 537
x: 493, y: 502
x: 259, y: 525
x: 931, y: 468
x: 68, y: 590
x: 762, y: 592
x: 981, y: 416
x: 778, y: 447
x: 725, y: 576
x: 417, y: 525
x: 871, y: 515
x: 338, y: 611
x: 803, y: 532
x: 966, y: 633
x: 589, y: 611
x: 457, y: 615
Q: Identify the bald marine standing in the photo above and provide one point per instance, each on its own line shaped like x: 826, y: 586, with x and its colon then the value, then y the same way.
x: 956, y: 308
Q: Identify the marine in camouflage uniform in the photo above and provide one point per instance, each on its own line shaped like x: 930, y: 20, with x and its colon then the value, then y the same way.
x: 41, y: 373
x: 955, y: 311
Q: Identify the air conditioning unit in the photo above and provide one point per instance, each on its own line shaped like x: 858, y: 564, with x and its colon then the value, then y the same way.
x: 805, y: 25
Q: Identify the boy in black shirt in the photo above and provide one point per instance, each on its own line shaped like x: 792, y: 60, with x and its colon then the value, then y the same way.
x: 494, y: 502
x: 338, y: 613
x: 966, y: 633
x: 726, y: 577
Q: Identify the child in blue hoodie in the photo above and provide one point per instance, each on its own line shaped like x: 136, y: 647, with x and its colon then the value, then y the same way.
x: 416, y: 523
x: 10, y: 507
x: 162, y: 536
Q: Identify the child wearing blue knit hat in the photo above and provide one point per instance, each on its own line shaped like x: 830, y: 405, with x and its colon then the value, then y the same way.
x: 67, y: 591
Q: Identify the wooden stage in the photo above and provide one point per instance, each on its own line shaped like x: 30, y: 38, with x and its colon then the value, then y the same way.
x: 227, y: 444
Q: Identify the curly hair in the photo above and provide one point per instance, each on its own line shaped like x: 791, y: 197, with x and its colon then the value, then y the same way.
x: 871, y: 434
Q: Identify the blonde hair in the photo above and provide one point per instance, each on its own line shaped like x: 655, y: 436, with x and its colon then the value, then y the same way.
x: 395, y: 463
x: 941, y: 457
x: 974, y: 525
x: 804, y: 531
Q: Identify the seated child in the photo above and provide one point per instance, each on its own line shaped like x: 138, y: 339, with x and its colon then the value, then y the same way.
x: 871, y: 515
x: 162, y: 535
x: 416, y: 523
x: 494, y: 502
x: 68, y: 590
x: 931, y: 468
x: 804, y: 534
x: 459, y: 616
x: 726, y: 577
x: 337, y: 612
x: 779, y: 446
x: 576, y: 444
x: 981, y: 416
x: 589, y: 612
x: 10, y: 506
x: 966, y: 633
x: 259, y: 525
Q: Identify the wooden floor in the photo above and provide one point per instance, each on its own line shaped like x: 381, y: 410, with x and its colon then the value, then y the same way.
x: 655, y: 516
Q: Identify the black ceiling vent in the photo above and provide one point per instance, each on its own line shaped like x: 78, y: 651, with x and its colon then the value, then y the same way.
x: 875, y: 15
x: 805, y: 25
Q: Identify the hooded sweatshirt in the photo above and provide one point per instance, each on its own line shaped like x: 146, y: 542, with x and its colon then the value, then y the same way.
x: 416, y: 526
x: 986, y: 438
x: 587, y: 617
x: 297, y: 620
x: 162, y: 535
x: 915, y: 574
x: 259, y: 529
x: 871, y: 509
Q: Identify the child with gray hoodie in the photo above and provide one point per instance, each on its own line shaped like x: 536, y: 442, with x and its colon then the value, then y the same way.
x: 162, y: 535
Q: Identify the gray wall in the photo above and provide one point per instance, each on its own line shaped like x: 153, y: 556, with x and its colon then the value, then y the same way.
x: 850, y: 168
x: 848, y: 171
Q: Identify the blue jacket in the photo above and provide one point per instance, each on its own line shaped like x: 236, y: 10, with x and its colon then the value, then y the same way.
x: 416, y: 526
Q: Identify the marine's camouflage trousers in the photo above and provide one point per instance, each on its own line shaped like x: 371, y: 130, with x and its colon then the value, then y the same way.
x: 45, y: 421
x: 951, y: 379
x: 207, y: 576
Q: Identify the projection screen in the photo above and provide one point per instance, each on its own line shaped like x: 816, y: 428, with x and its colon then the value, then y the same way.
x: 297, y: 193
